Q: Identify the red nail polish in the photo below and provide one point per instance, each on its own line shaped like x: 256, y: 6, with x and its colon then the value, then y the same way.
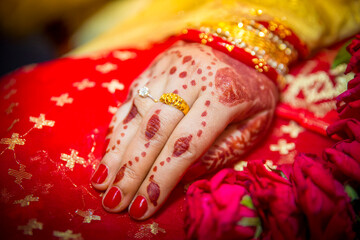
x: 100, y: 174
x: 112, y: 198
x: 138, y: 207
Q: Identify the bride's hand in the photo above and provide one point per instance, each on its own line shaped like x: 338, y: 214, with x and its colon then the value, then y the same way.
x: 153, y: 144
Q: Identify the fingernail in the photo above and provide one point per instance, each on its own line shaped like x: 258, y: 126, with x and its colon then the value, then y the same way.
x: 112, y: 198
x: 138, y: 207
x: 100, y: 174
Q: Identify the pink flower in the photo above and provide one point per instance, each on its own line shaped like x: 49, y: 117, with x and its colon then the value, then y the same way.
x: 348, y: 103
x: 275, y: 201
x: 344, y: 156
x: 323, y: 200
x: 221, y: 208
x: 354, y: 50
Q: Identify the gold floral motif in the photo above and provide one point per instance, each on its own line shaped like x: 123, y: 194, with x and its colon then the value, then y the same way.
x: 5, y: 195
x: 32, y: 224
x: 62, y: 99
x: 87, y: 215
x: 11, y: 107
x: 12, y: 92
x: 317, y: 89
x: 26, y: 201
x: 40, y: 121
x: 106, y: 67
x: 84, y: 84
x: 282, y: 147
x: 72, y: 159
x: 67, y: 235
x: 147, y: 230
x: 13, y: 141
x: 124, y: 55
x: 113, y: 85
x: 293, y: 129
x: 239, y: 166
x: 12, y: 124
x: 19, y: 175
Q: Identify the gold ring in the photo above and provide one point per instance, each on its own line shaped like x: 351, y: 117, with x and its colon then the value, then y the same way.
x: 170, y: 99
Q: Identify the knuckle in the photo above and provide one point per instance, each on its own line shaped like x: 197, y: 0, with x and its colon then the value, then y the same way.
x: 131, y: 174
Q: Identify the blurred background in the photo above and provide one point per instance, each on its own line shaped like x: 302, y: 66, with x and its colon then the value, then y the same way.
x: 39, y: 30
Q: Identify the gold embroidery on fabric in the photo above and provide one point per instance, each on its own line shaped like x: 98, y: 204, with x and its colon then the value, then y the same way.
x: 269, y: 165
x: 124, y: 55
x: 239, y: 166
x: 87, y: 215
x: 293, y: 129
x: 282, y: 147
x: 113, y: 85
x: 40, y: 121
x: 84, y: 84
x: 5, y: 195
x: 146, y: 230
x: 317, y: 89
x: 11, y: 107
x: 67, y: 235
x: 12, y: 92
x: 62, y: 100
x: 10, y: 84
x: 19, y: 174
x: 13, y: 141
x: 72, y: 159
x: 112, y: 109
x: 106, y: 67
x: 32, y: 224
x: 12, y: 124
x: 26, y: 201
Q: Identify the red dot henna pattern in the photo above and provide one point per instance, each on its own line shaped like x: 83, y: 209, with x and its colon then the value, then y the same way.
x: 183, y: 74
x: 176, y: 91
x: 199, y: 133
x: 172, y: 70
x: 184, y: 86
x: 136, y: 159
x: 203, y: 78
x: 147, y: 144
x: 213, y: 63
x: 230, y: 86
x: 155, y: 169
x: 210, y: 84
x: 158, y: 111
x: 181, y: 145
x: 207, y: 103
x: 143, y: 154
x: 210, y: 73
x: 186, y: 59
x: 130, y: 163
x: 203, y: 123
x: 125, y: 127
x: 118, y: 142
x: 162, y: 163
x: 199, y: 71
x: 208, y: 67
x: 110, y: 130
x: 120, y: 174
x: 113, y: 148
x: 163, y: 72
x: 122, y: 134
x: 133, y: 112
x: 192, y: 62
x: 204, y: 114
x: 193, y: 83
x: 168, y: 159
x: 152, y: 127
x: 153, y: 191
x: 203, y: 88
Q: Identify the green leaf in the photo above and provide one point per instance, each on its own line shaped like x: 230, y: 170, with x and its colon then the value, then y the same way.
x: 249, y: 222
x: 247, y: 202
x: 252, y: 222
x: 343, y: 56
x: 351, y: 192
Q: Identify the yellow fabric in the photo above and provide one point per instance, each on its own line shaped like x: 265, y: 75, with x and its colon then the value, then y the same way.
x: 316, y: 22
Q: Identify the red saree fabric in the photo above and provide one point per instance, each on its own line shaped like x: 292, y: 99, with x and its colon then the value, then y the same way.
x: 54, y: 122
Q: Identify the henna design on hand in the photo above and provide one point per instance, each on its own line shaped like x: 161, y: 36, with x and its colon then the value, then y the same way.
x: 181, y: 145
